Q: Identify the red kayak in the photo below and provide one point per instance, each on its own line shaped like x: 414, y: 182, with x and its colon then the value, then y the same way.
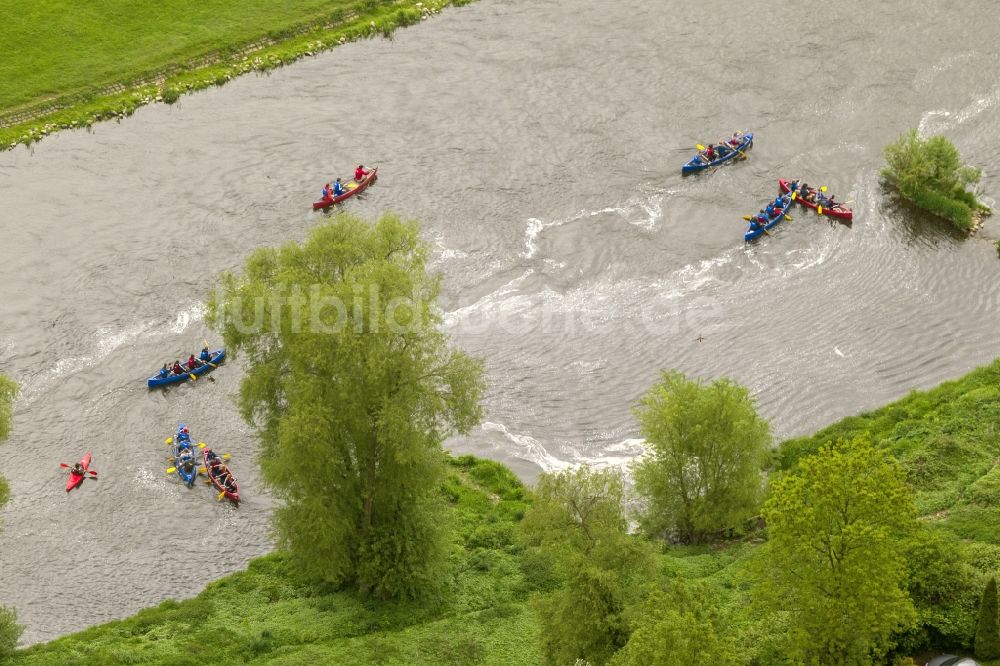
x: 221, y: 470
x: 352, y: 187
x: 76, y: 479
x: 840, y: 212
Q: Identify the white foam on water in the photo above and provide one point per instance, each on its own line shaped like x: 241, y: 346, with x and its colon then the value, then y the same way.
x: 492, y: 302
x: 528, y: 448
x: 942, y: 120
x: 193, y: 313
x: 650, y: 209
x: 617, y: 454
x: 108, y: 340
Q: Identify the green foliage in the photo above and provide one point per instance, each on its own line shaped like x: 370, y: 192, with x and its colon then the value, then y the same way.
x: 10, y: 632
x: 584, y: 619
x: 675, y: 627
x: 988, y: 627
x: 580, y: 513
x: 170, y: 95
x: 707, y: 449
x: 929, y: 173
x: 835, y: 553
x: 944, y: 587
x: 8, y: 391
x: 353, y: 388
x: 946, y: 439
x: 577, y: 530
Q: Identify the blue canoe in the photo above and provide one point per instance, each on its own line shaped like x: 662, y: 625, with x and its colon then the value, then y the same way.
x: 218, y: 356
x: 752, y: 233
x: 698, y: 164
x: 184, y: 456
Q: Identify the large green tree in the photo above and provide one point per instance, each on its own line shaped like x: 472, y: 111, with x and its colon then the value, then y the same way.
x: 707, y: 447
x: 835, y: 558
x: 353, y: 388
x: 577, y: 524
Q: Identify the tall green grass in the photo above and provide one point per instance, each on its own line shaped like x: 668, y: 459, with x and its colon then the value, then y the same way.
x: 72, y: 64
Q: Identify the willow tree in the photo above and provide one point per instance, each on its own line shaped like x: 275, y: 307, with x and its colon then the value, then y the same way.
x: 707, y: 447
x: 353, y: 387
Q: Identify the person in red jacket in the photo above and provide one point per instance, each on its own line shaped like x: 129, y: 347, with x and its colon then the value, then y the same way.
x: 360, y: 173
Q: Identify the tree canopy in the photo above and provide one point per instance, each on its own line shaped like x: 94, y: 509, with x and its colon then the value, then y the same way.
x: 353, y: 388
x: 707, y: 449
x: 834, y: 560
x: 577, y: 520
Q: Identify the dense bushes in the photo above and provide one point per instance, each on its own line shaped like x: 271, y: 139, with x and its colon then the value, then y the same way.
x: 929, y: 173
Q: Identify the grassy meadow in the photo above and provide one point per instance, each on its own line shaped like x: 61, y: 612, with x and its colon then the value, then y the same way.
x: 70, y: 64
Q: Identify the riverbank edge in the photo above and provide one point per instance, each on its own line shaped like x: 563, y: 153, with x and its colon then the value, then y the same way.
x: 122, y: 99
x: 493, y: 621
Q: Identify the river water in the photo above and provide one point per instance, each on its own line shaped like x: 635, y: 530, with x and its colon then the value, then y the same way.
x: 540, y: 145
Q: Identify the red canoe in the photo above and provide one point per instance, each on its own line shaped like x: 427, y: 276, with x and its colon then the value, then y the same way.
x: 76, y: 479
x: 840, y: 212
x: 352, y: 187
x: 233, y: 495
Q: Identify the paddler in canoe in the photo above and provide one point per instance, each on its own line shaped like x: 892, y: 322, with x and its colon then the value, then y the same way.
x: 360, y: 173
x: 193, y: 363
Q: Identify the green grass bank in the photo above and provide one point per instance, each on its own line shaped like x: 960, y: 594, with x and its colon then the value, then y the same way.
x: 72, y: 64
x: 947, y: 440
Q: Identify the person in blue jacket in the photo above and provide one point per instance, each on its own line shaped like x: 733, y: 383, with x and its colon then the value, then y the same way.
x: 205, y: 355
x: 338, y: 188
